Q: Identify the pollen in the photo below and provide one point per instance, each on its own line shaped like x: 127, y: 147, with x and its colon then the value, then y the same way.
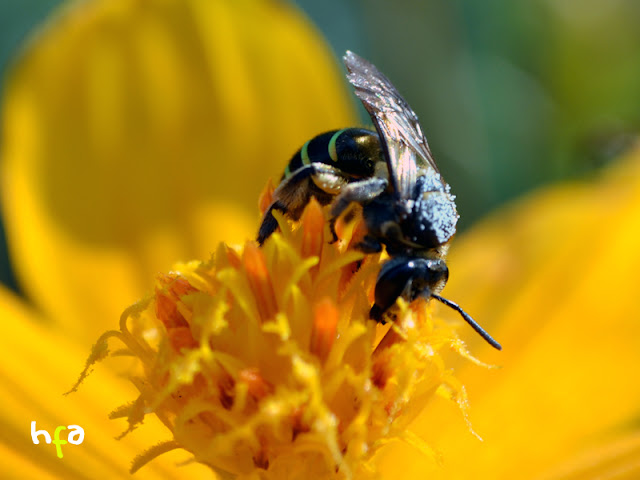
x: 262, y: 362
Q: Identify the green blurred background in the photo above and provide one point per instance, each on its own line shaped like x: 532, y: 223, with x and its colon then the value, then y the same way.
x: 511, y: 95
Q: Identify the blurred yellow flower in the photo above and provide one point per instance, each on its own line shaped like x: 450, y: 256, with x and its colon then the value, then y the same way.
x: 139, y: 133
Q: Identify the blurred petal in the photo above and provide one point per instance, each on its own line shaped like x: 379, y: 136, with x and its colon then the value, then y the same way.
x: 617, y: 459
x: 555, y: 279
x: 137, y: 133
x: 43, y: 364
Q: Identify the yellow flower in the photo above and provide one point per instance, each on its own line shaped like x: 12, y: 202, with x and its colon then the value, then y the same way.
x: 139, y: 133
x: 264, y: 363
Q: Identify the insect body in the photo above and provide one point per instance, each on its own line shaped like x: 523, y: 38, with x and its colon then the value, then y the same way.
x: 406, y: 205
x: 322, y: 168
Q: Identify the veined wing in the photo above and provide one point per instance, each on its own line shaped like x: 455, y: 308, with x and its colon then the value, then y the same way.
x: 406, y: 147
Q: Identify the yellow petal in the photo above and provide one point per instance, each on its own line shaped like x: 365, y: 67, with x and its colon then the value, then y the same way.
x: 554, y: 278
x: 138, y: 133
x: 40, y: 364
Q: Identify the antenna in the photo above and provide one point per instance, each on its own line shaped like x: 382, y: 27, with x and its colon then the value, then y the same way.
x: 469, y: 320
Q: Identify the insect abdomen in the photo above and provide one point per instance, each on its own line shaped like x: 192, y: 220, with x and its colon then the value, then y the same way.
x: 315, y: 150
x: 346, y: 149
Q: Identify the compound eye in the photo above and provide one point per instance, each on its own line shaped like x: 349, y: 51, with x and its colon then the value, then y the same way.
x: 438, y: 274
x: 392, y: 283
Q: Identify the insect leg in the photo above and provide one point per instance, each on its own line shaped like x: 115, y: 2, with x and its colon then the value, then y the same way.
x: 358, y: 192
x: 285, y: 196
x: 369, y: 244
x: 269, y: 223
x: 295, y: 192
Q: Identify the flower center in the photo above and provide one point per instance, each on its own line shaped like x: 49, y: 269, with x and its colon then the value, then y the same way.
x: 265, y: 359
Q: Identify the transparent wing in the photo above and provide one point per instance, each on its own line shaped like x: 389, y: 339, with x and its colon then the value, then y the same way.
x: 397, y: 124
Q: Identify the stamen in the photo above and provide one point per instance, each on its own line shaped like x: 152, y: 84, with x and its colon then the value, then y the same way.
x: 233, y: 257
x: 312, y: 230
x: 359, y: 231
x: 323, y: 334
x: 257, y: 386
x: 171, y: 288
x: 226, y: 388
x: 260, y: 281
x: 170, y: 310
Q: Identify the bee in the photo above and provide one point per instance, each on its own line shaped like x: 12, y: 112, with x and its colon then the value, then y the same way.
x: 407, y: 207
